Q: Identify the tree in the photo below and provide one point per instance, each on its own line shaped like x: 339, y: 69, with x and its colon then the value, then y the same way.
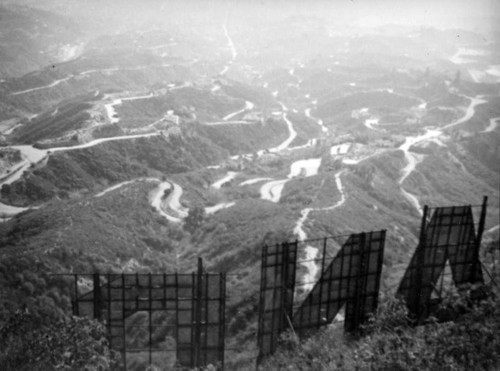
x: 194, y: 219
x: 5, y: 190
x: 457, y: 79
x: 71, y: 343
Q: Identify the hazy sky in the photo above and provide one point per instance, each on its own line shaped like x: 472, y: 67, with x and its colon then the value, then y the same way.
x: 437, y: 13
x: 468, y: 14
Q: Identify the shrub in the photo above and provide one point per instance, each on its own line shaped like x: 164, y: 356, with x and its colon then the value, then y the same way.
x: 67, y: 344
x: 390, y: 343
x: 194, y: 219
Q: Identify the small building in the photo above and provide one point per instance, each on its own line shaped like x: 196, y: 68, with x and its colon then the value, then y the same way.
x: 360, y: 113
x: 171, y: 117
x: 340, y: 149
x: 276, y: 115
x: 253, y: 116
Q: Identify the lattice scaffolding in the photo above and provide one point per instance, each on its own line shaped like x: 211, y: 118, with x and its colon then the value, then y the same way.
x: 185, y: 314
x: 449, y: 235
x: 276, y: 294
x: 350, y: 279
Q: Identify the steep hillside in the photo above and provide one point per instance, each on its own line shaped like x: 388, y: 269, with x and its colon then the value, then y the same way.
x: 360, y: 100
x: 83, y: 170
x: 65, y: 117
x: 389, y: 342
x: 84, y: 235
x: 176, y: 134
x: 185, y: 103
x: 33, y: 38
x: 246, y: 137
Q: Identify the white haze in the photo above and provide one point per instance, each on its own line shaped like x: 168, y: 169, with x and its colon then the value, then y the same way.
x: 115, y: 16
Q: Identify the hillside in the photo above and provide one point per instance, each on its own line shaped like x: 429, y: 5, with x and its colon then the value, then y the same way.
x: 80, y: 171
x: 174, y: 134
x: 389, y: 342
x: 34, y: 38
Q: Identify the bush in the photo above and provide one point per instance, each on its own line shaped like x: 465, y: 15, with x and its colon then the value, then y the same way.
x: 194, y: 219
x: 471, y: 342
x: 68, y: 344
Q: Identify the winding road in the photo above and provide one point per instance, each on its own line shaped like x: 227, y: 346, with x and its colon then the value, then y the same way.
x: 36, y: 157
x: 110, y: 107
x: 307, y: 112
x: 413, y: 159
x: 271, y: 191
x: 248, y: 106
x: 171, y: 202
x: 310, y: 251
x: 33, y: 156
x: 171, y: 208
x: 7, y: 211
x: 492, y: 125
x: 289, y: 140
x: 120, y: 185
x: 230, y: 176
x: 234, y: 54
x: 64, y: 79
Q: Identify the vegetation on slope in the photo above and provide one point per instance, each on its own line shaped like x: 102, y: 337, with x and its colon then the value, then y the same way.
x: 110, y: 71
x: 207, y: 106
x: 360, y: 100
x: 116, y: 232
x: 245, y: 138
x: 86, y: 169
x: 71, y: 116
x: 32, y: 343
x: 23, y: 48
x: 472, y: 341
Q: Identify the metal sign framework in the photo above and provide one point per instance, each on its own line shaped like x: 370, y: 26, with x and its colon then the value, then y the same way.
x: 276, y: 294
x: 195, y: 304
x: 352, y: 279
x: 450, y: 235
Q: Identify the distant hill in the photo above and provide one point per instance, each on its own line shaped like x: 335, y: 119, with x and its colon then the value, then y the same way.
x: 33, y: 38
